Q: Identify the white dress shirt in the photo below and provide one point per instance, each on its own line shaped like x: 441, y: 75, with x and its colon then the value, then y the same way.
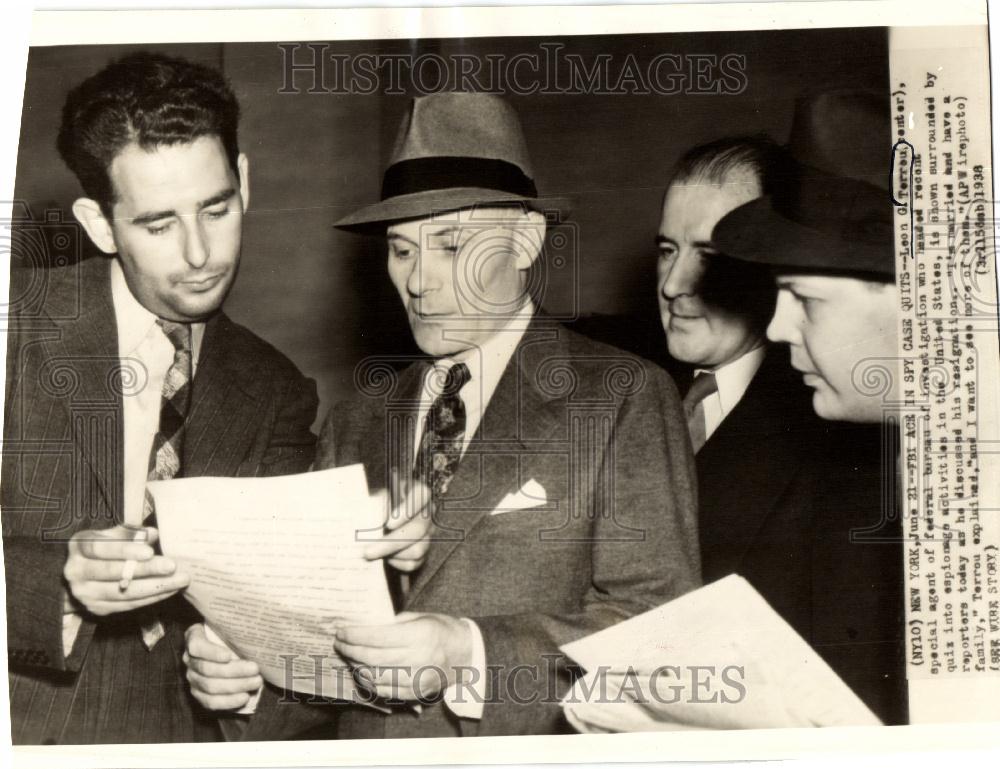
x: 146, y: 355
x: 487, y: 363
x: 732, y: 380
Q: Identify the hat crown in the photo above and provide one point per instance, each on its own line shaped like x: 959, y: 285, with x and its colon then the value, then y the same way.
x: 471, y: 125
x: 843, y: 133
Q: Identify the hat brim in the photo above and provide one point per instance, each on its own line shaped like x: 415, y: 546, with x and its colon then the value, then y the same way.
x: 756, y: 232
x: 374, y: 218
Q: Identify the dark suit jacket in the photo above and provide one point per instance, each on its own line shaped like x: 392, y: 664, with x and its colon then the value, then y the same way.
x: 251, y: 412
x: 780, y: 492
x: 603, y: 433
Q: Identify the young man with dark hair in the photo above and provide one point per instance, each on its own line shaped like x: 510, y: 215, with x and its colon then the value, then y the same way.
x: 130, y: 372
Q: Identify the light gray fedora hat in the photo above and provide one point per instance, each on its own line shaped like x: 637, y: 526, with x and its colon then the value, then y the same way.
x: 454, y: 150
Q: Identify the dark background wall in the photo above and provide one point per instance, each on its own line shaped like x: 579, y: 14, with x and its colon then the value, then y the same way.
x: 322, y: 296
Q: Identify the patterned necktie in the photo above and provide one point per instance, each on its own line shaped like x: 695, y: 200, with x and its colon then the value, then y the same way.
x: 444, y: 431
x: 168, y: 444
x: 694, y: 407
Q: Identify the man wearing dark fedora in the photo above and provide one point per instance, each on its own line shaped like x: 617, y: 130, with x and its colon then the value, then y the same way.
x: 828, y: 236
x: 560, y: 468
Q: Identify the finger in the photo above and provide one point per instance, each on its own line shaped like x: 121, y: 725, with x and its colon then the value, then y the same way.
x: 394, y: 692
x: 236, y: 668
x: 199, y: 646
x: 217, y: 686
x: 395, y: 542
x: 196, y: 630
x: 415, y: 552
x: 114, y: 549
x: 221, y: 702
x: 138, y: 589
x: 414, y: 504
x: 375, y: 636
x: 405, y: 565
x: 152, y: 534
x: 371, y: 656
x: 111, y: 571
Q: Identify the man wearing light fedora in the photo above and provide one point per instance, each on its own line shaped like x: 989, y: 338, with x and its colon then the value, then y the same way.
x: 828, y: 236
x: 560, y: 468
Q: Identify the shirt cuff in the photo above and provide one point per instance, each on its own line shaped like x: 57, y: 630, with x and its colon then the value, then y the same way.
x: 251, y: 707
x: 466, y: 697
x: 70, y: 629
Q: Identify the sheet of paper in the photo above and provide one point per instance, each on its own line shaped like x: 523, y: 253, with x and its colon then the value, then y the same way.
x: 276, y: 566
x: 733, y: 663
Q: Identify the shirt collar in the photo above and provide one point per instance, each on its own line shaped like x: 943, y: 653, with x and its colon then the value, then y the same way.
x: 134, y: 321
x: 734, y: 378
x: 489, y: 360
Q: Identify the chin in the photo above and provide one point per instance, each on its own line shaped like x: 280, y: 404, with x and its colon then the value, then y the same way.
x: 682, y: 352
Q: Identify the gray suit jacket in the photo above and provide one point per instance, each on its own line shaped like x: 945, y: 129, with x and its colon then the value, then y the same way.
x: 602, y: 432
x: 251, y: 412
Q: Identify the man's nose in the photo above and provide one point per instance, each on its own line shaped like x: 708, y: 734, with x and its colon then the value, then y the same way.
x: 683, y: 276
x: 196, y: 251
x: 784, y: 326
x: 421, y: 278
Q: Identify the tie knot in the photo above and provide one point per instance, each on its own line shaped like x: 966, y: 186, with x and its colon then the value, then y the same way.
x: 458, y: 376
x: 704, y: 384
x: 179, y: 334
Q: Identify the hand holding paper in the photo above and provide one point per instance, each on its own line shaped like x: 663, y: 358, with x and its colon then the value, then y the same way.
x: 219, y: 679
x: 277, y: 565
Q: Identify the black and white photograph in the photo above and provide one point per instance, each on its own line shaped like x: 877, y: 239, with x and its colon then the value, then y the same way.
x: 390, y: 374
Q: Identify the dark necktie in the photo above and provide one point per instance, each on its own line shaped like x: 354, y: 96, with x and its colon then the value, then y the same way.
x: 444, y: 431
x: 694, y: 407
x: 168, y: 444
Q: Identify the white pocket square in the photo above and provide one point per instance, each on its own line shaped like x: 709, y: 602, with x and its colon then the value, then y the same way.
x: 530, y: 494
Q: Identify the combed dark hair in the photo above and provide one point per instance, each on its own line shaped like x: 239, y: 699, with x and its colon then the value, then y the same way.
x: 714, y: 161
x: 147, y: 98
x: 741, y: 287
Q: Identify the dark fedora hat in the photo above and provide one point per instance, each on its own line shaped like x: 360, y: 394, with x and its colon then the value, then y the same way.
x: 454, y: 150
x: 834, y: 211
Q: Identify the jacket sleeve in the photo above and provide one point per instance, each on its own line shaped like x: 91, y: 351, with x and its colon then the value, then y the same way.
x: 32, y: 567
x: 644, y: 553
x: 292, y: 444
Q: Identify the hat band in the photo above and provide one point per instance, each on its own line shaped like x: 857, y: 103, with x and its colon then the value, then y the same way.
x: 851, y: 209
x: 447, y: 172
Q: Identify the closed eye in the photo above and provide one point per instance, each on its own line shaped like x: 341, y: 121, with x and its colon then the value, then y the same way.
x: 160, y: 228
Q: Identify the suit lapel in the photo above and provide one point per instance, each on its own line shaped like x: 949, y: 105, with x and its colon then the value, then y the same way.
x: 769, y: 414
x: 395, y: 418
x: 82, y: 369
x: 518, y: 414
x: 227, y: 401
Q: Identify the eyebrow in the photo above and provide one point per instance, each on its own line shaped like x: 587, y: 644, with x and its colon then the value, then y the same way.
x: 155, y: 216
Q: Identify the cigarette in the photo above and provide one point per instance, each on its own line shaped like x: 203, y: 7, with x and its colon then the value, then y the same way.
x: 128, y: 571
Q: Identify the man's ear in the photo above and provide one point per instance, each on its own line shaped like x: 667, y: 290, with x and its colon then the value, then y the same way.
x: 243, y: 166
x: 98, y: 228
x: 531, y: 238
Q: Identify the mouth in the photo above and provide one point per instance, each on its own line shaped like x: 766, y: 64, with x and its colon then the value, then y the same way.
x: 811, y: 378
x: 429, y: 317
x: 202, y: 284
